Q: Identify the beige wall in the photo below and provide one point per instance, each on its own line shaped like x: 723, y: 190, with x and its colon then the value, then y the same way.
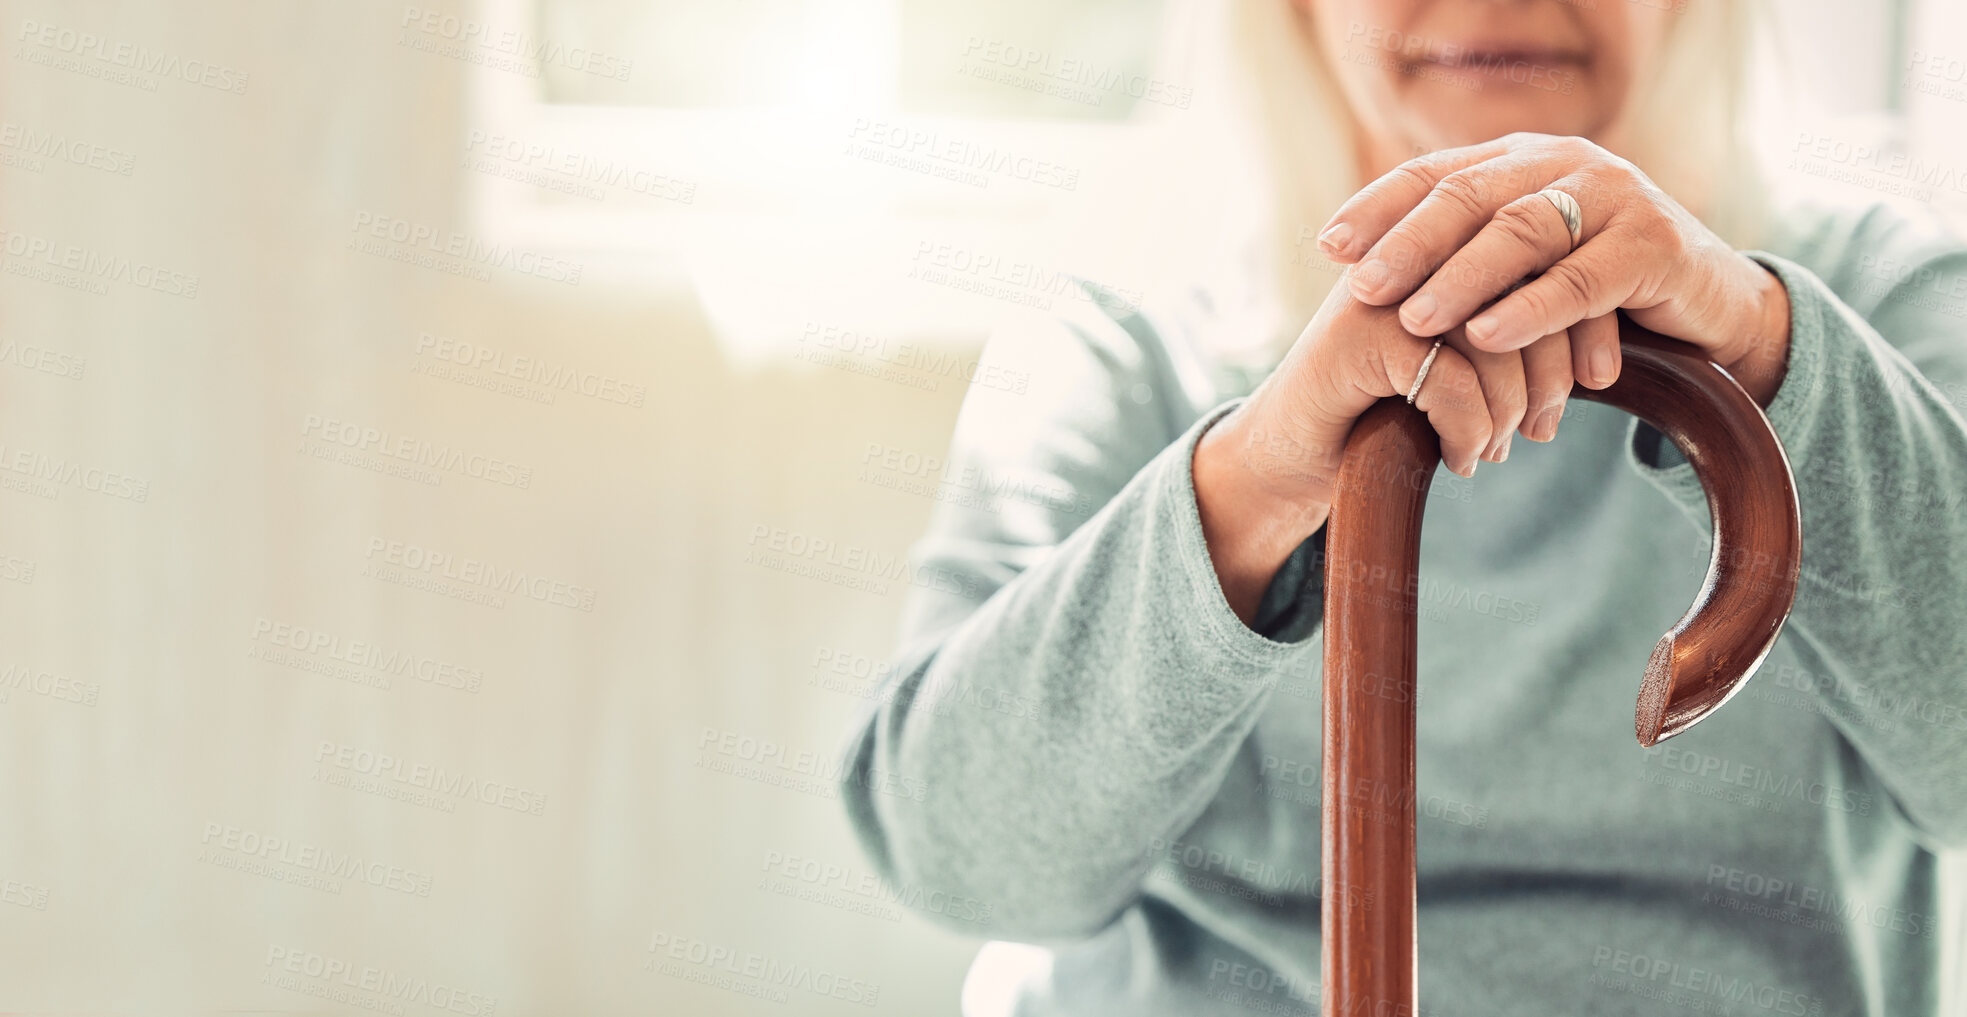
x: 149, y: 606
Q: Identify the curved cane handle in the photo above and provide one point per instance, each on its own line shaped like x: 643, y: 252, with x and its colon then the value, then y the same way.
x: 1372, y: 554
x: 1758, y: 529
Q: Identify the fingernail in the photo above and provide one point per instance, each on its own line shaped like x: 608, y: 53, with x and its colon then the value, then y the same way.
x: 1601, y: 365
x: 1480, y: 329
x: 1335, y: 239
x: 1546, y: 426
x: 1370, y: 278
x: 1418, y: 314
x: 1502, y: 451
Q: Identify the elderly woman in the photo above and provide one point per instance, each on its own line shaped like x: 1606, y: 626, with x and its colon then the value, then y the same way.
x: 1110, y: 693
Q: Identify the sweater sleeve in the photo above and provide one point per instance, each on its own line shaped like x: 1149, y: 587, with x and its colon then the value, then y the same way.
x: 1880, y: 460
x: 1074, y: 684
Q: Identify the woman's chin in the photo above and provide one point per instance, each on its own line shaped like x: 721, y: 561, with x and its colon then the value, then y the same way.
x: 1484, y: 120
x: 1469, y: 118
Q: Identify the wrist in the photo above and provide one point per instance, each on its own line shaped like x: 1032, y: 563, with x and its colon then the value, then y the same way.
x: 1761, y: 369
x: 1250, y: 496
x: 1258, y: 474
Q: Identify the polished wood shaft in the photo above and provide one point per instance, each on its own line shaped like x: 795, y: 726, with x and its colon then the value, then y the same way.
x: 1372, y: 543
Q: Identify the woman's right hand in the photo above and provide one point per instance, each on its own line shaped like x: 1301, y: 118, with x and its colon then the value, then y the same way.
x: 1265, y: 473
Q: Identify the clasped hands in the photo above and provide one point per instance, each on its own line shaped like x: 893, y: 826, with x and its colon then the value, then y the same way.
x: 1451, y: 237
x: 1461, y: 245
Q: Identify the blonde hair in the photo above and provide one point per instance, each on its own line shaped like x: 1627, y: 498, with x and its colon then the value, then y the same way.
x: 1280, y: 135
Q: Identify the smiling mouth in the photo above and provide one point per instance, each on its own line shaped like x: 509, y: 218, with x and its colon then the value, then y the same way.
x: 1502, y: 61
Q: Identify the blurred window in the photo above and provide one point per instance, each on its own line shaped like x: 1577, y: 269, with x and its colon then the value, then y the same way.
x: 1037, y: 59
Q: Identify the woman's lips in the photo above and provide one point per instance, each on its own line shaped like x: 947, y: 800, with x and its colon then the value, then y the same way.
x: 1500, y: 59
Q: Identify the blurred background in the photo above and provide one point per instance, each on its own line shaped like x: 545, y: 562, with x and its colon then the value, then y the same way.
x: 406, y: 412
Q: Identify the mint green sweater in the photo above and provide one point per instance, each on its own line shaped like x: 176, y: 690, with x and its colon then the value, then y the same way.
x: 1119, y: 770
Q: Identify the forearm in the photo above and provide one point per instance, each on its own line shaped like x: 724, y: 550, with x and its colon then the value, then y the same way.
x: 1136, y: 684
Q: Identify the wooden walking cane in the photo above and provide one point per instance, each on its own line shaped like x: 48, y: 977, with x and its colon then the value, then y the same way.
x: 1372, y: 548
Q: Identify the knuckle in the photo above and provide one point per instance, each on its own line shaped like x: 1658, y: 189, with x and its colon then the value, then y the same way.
x: 1463, y: 192
x: 1655, y: 231
x: 1463, y: 273
x: 1565, y: 283
x: 1549, y: 388
x: 1389, y: 354
x: 1507, y: 404
x: 1548, y: 397
x: 1474, y: 429
x: 1539, y: 302
x: 1474, y: 274
x: 1462, y: 391
x: 1628, y: 171
x: 1401, y: 249
x: 1416, y: 173
x: 1514, y: 397
x: 1521, y: 222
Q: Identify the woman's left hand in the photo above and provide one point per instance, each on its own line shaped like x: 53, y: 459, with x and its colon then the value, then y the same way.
x: 1448, y: 232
